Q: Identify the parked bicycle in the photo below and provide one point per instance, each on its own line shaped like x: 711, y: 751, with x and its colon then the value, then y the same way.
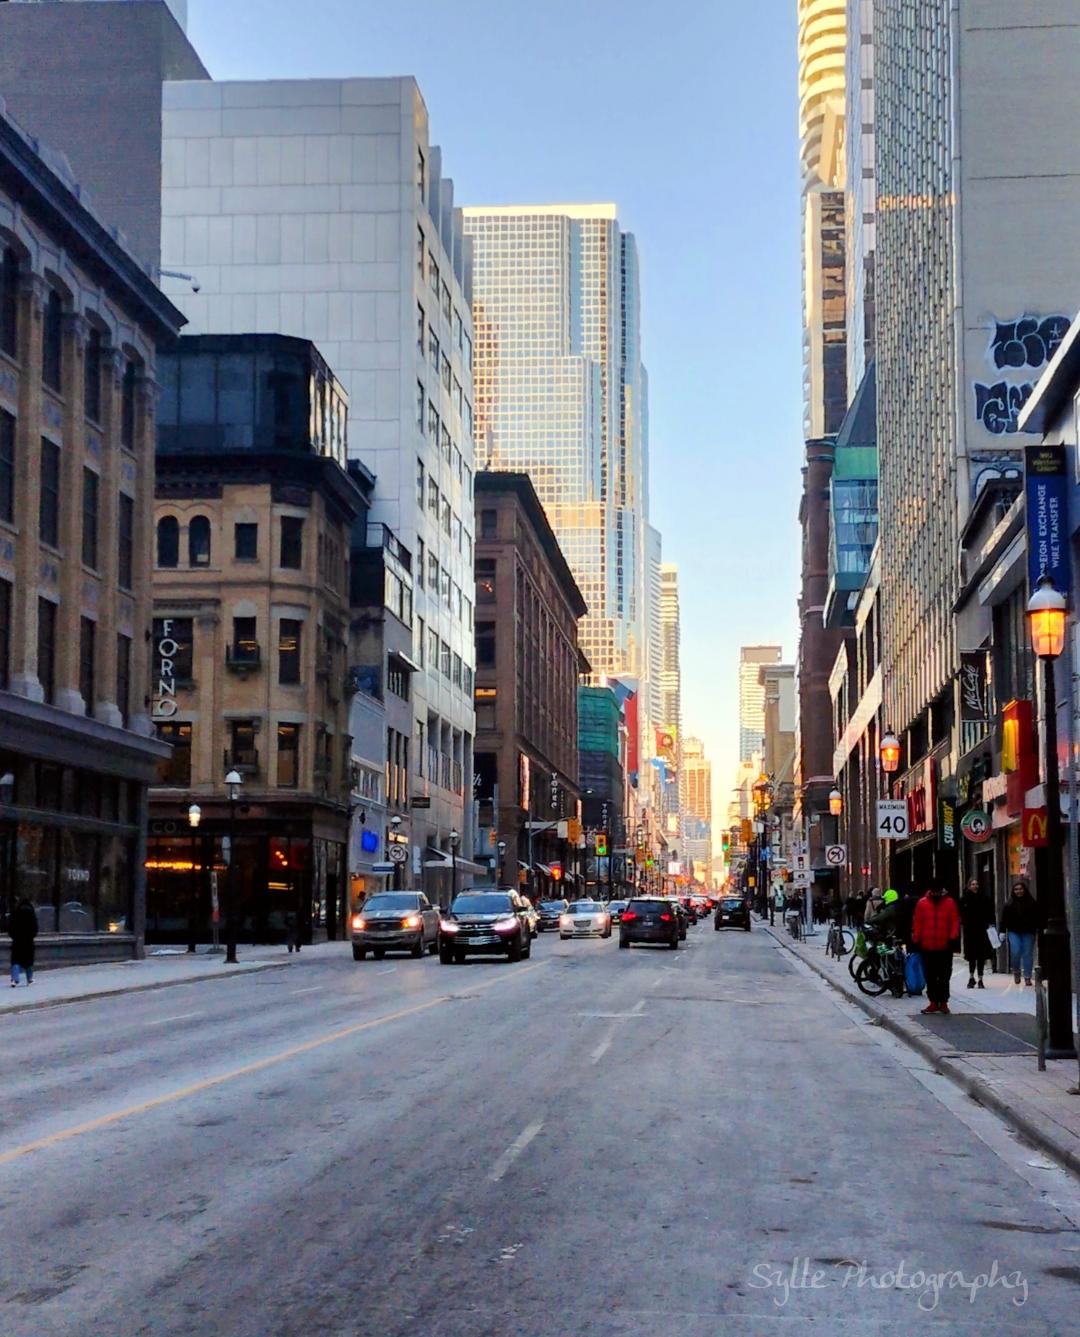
x: 840, y: 941
x: 882, y: 968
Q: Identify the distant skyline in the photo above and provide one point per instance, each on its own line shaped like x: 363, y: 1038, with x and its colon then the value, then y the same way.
x: 685, y: 116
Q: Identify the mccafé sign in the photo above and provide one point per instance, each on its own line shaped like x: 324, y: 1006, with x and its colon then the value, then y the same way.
x: 166, y: 650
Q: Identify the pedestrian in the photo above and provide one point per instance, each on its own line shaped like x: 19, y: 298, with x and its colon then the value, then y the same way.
x: 772, y: 908
x: 873, y: 904
x: 935, y: 932
x: 976, y: 916
x: 23, y: 928
x: 855, y: 907
x: 1021, y: 919
x: 884, y: 921
x: 292, y: 938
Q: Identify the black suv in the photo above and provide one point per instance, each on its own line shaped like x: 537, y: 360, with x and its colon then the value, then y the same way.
x: 488, y: 923
x: 550, y: 913
x: 732, y: 912
x: 649, y: 919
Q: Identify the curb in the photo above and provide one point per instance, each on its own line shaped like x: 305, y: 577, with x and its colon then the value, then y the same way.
x: 253, y: 969
x: 979, y: 1090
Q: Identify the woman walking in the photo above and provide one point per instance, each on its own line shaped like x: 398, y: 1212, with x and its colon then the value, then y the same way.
x: 23, y: 929
x: 1021, y: 919
x: 976, y: 916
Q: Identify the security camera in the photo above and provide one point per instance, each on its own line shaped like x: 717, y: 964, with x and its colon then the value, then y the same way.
x: 195, y: 285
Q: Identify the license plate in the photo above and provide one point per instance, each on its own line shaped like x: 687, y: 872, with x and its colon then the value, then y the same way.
x: 479, y: 941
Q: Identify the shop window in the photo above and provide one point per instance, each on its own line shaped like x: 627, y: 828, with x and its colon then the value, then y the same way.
x: 35, y: 874
x: 168, y: 541
x: 199, y: 541
x: 288, y: 756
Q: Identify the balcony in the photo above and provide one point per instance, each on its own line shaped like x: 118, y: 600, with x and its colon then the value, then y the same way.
x: 243, y: 658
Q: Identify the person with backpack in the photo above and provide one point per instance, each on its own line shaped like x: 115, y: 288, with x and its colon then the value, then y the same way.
x: 935, y: 934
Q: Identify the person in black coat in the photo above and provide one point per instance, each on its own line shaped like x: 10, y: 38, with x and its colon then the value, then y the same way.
x: 976, y: 916
x: 23, y: 929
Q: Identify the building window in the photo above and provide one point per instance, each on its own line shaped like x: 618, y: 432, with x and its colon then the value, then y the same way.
x: 433, y: 423
x: 447, y: 444
x: 444, y: 659
x: 125, y: 540
x: 433, y: 573
x: 289, y: 630
x: 433, y: 498
x: 433, y: 273
x: 87, y: 639
x: 467, y: 680
x: 292, y: 542
x: 421, y: 174
x: 433, y: 649
x: 446, y: 301
x: 420, y: 483
x: 49, y: 497
x: 446, y: 371
x: 46, y: 647
x: 489, y: 524
x: 485, y: 645
x: 199, y: 541
x: 421, y: 645
x: 127, y: 406
x: 421, y: 326
x: 444, y: 585
x: 242, y: 750
x: 123, y: 677
x: 9, y: 302
x: 246, y: 542
x: 176, y: 770
x: 288, y: 756
x: 421, y: 247
x: 181, y: 632
x: 90, y: 490
x: 7, y: 467
x: 458, y: 327
x: 397, y: 680
x: 433, y: 349
x: 245, y: 645
x: 420, y: 550
x: 446, y: 516
x: 421, y: 402
x: 5, y: 634
x: 52, y: 341
x: 168, y: 541
x: 456, y: 674
x: 92, y: 375
x: 485, y: 580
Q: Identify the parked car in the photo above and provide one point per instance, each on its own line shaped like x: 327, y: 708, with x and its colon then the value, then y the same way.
x: 615, y: 909
x: 732, y: 912
x: 585, y: 919
x: 550, y: 913
x: 650, y: 919
x: 682, y: 918
x: 395, y: 921
x: 487, y: 923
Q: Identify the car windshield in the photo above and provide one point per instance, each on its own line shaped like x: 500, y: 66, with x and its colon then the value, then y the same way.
x: 398, y: 900
x: 616, y: 905
x: 585, y: 908
x: 553, y: 907
x: 490, y: 904
x: 730, y: 904
x: 648, y: 907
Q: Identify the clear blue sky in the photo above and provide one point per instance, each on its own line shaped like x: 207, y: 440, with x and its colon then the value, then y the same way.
x: 684, y: 113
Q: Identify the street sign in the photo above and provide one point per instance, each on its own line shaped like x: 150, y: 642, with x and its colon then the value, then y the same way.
x: 836, y: 855
x: 398, y: 853
x: 801, y: 878
x: 892, y: 818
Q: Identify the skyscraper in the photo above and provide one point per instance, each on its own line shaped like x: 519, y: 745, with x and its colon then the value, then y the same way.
x: 752, y: 698
x: 669, y: 725
x: 560, y: 395
x: 696, y: 787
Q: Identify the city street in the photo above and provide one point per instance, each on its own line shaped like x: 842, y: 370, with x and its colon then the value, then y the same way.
x: 592, y: 1142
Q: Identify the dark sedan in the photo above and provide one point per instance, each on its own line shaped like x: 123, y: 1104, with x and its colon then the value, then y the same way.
x: 550, y: 913
x: 485, y: 922
x: 732, y: 912
x: 649, y: 919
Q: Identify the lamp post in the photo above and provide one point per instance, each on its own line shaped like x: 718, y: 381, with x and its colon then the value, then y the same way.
x: 836, y: 807
x: 500, y: 877
x: 1046, y: 612
x: 7, y: 859
x: 233, y: 782
x: 194, y: 816
x: 395, y: 826
x: 889, y: 757
x: 455, y: 840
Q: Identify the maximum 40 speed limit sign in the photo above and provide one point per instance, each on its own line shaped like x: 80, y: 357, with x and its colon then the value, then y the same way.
x: 892, y: 818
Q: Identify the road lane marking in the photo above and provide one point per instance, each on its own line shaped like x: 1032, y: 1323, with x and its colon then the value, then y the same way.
x: 638, y: 1008
x: 259, y: 1065
x: 182, y: 1016
x: 312, y: 988
x: 388, y: 971
x: 602, y: 1048
x: 514, y: 1150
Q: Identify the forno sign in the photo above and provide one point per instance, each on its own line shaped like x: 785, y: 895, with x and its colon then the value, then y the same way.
x: 166, y: 651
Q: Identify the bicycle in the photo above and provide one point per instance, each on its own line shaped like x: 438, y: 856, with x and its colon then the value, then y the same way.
x: 840, y: 941
x: 882, y: 968
x: 794, y: 923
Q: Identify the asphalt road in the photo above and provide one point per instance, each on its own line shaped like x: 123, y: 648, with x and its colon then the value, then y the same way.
x: 596, y: 1142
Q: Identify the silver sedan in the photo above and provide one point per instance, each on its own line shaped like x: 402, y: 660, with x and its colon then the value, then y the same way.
x: 585, y: 919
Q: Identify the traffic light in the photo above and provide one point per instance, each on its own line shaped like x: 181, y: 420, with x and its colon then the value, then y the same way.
x: 601, y: 844
x: 556, y: 872
x: 725, y: 841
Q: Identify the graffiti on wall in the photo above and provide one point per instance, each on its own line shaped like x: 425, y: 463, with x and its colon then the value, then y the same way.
x: 1024, y: 344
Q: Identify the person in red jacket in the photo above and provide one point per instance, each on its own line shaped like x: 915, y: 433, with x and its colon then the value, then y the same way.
x: 935, y: 933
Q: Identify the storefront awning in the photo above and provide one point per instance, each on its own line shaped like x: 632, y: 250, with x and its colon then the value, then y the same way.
x: 436, y: 858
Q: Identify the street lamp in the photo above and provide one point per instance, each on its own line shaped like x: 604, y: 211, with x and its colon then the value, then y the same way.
x: 455, y: 840
x: 395, y: 826
x: 194, y: 816
x: 889, y: 752
x: 233, y: 781
x: 836, y: 803
x: 1046, y: 612
x: 501, y: 876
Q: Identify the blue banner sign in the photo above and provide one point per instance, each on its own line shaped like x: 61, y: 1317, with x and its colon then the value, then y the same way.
x: 1046, y: 484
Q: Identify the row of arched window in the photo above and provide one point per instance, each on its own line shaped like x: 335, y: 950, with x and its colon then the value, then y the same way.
x: 198, y: 541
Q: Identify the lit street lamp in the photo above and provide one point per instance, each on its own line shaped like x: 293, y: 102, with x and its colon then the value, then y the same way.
x: 233, y: 780
x: 194, y: 816
x: 455, y: 840
x: 1046, y: 612
x: 889, y: 751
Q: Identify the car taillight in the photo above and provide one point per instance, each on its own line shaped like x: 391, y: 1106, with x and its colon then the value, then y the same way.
x: 665, y: 918
x: 627, y: 915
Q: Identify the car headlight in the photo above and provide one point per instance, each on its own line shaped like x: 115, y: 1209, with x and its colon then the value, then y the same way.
x: 359, y: 923
x: 565, y: 920
x: 411, y: 921
x: 448, y: 926
x: 506, y: 925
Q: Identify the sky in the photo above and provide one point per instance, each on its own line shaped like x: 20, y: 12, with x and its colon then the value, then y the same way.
x: 683, y: 112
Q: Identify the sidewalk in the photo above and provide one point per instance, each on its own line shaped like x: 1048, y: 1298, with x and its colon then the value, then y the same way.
x: 163, y: 967
x: 987, y: 1046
